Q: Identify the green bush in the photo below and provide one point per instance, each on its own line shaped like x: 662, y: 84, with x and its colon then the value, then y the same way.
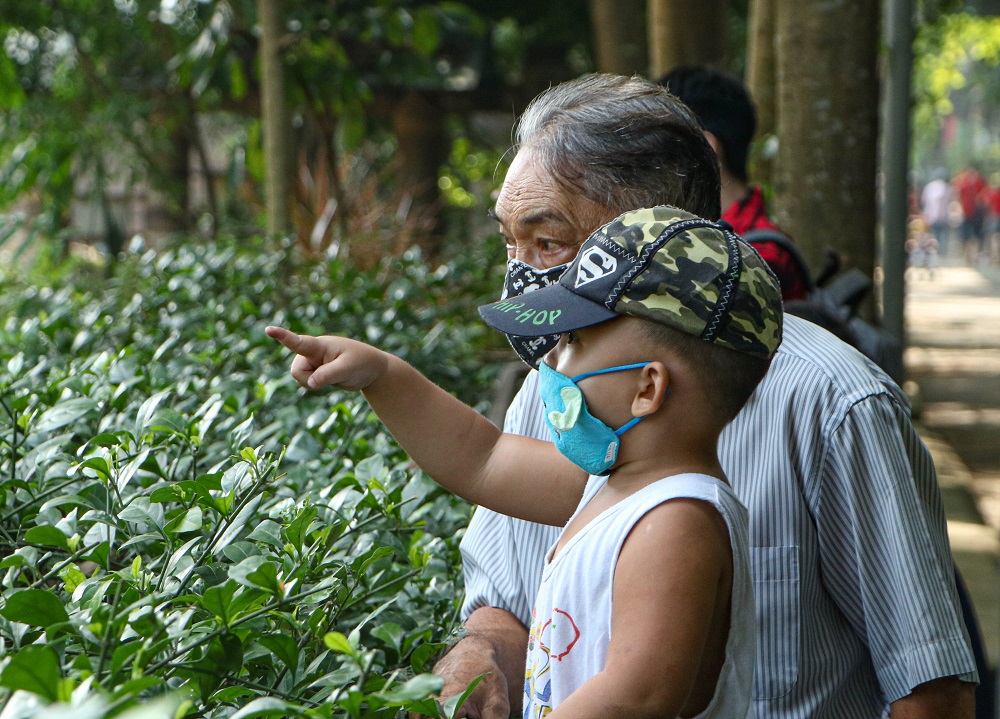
x: 185, y: 531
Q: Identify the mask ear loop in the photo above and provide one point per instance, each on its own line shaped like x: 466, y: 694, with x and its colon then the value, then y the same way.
x: 609, y: 370
x: 638, y: 365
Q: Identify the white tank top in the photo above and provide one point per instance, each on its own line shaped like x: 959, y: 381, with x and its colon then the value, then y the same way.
x: 571, y: 622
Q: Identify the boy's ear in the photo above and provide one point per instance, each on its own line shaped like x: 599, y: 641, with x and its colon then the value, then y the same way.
x: 651, y: 389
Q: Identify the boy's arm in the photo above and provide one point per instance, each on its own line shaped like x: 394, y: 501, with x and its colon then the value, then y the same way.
x: 459, y: 448
x: 670, y: 573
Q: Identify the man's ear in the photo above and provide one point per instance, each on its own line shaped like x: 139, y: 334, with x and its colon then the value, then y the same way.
x: 714, y: 142
x: 651, y: 389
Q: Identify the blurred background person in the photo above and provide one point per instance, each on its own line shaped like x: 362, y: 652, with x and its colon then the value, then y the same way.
x: 934, y: 202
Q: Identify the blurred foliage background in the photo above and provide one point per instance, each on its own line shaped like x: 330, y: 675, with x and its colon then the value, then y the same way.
x: 184, y: 531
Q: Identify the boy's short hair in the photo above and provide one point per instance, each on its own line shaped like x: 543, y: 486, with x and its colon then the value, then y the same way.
x: 728, y: 378
x: 724, y: 107
x: 664, y: 265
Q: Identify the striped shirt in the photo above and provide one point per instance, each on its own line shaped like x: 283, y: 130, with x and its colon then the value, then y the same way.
x: 853, y: 577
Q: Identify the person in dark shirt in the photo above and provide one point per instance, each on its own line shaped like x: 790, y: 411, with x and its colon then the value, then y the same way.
x: 725, y: 109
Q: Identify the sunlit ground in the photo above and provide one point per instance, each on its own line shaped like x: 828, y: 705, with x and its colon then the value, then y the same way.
x: 953, y: 324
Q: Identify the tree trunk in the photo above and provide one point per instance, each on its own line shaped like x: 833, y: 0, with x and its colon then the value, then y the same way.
x: 418, y: 122
x: 682, y: 31
x: 828, y: 127
x: 761, y: 80
x: 620, y: 36
x: 274, y: 117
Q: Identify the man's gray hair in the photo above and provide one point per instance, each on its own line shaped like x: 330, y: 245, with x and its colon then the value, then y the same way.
x: 623, y: 142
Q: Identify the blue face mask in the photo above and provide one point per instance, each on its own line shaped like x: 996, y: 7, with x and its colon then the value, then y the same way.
x: 582, y: 438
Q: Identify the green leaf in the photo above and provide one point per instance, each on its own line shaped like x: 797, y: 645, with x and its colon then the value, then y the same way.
x: 35, y: 607
x: 34, y: 669
x: 257, y: 572
x: 123, y: 654
x: 417, y: 688
x: 224, y: 656
x: 362, y: 564
x: 241, y: 432
x: 237, y: 79
x: 390, y: 633
x: 211, y: 482
x: 98, y: 464
x: 189, y: 521
x: 14, y: 560
x: 425, y: 653
x: 169, y: 420
x: 232, y: 695
x: 296, y: 531
x: 165, y: 494
x: 218, y: 600
x: 47, y: 537
x: 64, y: 413
x: 454, y: 703
x: 284, y: 647
x: 238, y: 551
x: 337, y: 642
x: 72, y: 577
x: 263, y: 707
x: 148, y: 409
x: 269, y: 532
x: 426, y: 33
x: 371, y: 468
x: 139, y: 511
x: 126, y: 473
x: 237, y: 524
x: 135, y: 687
x: 105, y: 439
x: 266, y: 577
x: 100, y: 555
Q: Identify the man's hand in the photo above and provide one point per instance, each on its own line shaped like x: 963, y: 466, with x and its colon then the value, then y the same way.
x: 328, y: 360
x: 466, y: 661
x: 494, y: 647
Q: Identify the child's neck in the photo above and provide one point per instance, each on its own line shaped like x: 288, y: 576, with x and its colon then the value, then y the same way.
x: 637, y: 473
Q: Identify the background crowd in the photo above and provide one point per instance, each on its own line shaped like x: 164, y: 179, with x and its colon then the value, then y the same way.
x: 956, y: 217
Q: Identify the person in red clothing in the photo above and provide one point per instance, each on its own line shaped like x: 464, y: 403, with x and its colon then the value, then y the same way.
x: 725, y: 109
x: 972, y: 189
x: 993, y: 218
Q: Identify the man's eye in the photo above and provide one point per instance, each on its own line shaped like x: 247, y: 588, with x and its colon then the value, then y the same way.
x: 549, y: 245
x: 570, y: 338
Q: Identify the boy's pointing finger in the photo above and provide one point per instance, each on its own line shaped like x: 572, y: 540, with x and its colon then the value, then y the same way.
x: 288, y: 338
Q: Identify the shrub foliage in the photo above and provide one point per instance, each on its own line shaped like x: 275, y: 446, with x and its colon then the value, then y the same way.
x: 184, y: 531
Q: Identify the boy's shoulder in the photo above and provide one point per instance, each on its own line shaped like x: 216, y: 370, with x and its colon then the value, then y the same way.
x: 683, y: 489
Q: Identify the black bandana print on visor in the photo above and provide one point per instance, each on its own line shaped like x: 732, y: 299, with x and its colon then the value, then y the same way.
x: 521, y: 279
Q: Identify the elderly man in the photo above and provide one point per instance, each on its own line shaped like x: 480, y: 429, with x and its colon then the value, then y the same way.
x: 857, y: 614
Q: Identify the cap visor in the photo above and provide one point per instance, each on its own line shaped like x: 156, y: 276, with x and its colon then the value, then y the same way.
x: 551, y: 310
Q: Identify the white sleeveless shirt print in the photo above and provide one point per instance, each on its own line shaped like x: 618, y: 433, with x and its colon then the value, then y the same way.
x: 571, y: 623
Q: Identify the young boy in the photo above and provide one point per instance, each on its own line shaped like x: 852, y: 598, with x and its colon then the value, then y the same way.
x: 668, y: 322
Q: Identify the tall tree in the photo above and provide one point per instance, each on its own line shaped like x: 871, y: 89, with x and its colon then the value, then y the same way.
x: 681, y: 31
x: 825, y: 194
x: 274, y: 116
x: 620, y: 36
x: 761, y: 79
x: 120, y: 72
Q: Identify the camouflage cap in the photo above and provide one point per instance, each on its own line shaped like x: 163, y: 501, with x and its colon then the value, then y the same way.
x: 664, y: 265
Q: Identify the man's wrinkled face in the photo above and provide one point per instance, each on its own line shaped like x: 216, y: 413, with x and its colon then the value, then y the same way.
x: 543, y: 224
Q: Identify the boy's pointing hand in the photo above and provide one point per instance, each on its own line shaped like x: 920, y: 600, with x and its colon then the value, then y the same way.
x: 329, y: 360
